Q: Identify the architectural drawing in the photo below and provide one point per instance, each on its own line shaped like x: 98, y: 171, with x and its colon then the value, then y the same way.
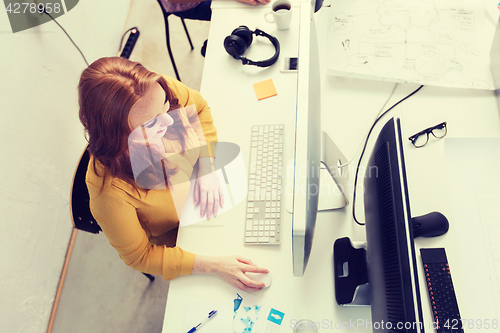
x: 435, y: 42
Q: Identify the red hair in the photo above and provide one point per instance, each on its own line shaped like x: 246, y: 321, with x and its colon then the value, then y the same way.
x: 107, y: 90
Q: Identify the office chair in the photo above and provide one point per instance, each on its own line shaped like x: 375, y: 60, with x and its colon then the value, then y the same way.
x: 167, y: 32
x: 79, y: 204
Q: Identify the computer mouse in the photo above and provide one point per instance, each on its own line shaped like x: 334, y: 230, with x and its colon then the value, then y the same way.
x: 305, y: 326
x: 430, y: 225
x: 261, y: 277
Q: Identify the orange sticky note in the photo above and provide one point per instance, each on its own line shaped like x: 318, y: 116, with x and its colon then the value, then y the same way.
x: 265, y: 89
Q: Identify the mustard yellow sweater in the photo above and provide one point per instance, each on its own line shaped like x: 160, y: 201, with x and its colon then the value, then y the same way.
x: 142, y: 226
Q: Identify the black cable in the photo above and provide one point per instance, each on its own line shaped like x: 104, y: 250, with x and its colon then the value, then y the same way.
x: 363, y: 151
x: 121, y: 42
x: 53, y: 19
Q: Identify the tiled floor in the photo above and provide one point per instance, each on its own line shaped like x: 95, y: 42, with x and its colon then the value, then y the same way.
x: 100, y: 293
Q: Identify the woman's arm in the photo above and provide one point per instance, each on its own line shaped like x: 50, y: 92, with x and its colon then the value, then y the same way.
x: 208, y: 192
x: 119, y: 222
x: 231, y: 269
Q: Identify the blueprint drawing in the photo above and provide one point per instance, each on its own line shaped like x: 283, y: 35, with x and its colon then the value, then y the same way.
x: 431, y: 42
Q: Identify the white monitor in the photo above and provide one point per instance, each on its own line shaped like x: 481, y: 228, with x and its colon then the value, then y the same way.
x: 307, y: 141
x: 313, y: 148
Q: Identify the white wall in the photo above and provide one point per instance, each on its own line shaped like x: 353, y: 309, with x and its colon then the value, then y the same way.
x: 41, y: 139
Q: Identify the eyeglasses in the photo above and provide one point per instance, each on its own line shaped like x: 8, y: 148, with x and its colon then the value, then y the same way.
x: 421, y: 138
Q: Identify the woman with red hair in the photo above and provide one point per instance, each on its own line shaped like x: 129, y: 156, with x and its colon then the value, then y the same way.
x: 127, y: 109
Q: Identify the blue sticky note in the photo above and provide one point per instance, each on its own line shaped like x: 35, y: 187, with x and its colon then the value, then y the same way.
x: 275, y: 316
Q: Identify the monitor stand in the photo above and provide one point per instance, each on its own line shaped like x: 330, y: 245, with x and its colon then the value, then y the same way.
x: 333, y: 181
x: 351, y: 273
x: 350, y: 266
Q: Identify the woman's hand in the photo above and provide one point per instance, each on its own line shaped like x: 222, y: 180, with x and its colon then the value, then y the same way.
x: 254, y: 2
x: 231, y: 269
x: 207, y: 189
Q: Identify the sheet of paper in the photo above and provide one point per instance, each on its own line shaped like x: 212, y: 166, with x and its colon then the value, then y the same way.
x: 473, y: 168
x: 442, y: 42
x: 191, y: 213
x: 222, y: 322
x: 237, y: 179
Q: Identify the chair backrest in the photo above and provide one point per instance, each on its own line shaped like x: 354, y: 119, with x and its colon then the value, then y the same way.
x: 80, y: 199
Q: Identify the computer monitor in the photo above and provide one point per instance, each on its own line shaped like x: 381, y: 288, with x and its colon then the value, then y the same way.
x: 383, y: 272
x: 390, y: 251
x: 317, y: 158
x: 307, y: 142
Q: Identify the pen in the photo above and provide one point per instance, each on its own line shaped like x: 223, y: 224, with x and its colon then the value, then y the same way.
x: 210, y: 315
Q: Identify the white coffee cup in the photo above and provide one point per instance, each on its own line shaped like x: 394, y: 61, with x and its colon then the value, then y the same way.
x: 281, y: 14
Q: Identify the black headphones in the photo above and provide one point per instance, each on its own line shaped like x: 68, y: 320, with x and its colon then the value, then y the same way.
x: 241, y: 38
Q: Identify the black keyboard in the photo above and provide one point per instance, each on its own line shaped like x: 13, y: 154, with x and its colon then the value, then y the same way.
x: 444, y: 304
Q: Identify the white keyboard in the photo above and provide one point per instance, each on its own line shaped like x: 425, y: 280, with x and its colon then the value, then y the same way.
x: 263, y: 213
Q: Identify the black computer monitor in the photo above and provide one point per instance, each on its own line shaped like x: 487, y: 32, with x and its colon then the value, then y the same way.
x: 390, y: 251
x: 383, y: 272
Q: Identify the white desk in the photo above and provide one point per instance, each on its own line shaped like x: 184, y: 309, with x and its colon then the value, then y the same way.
x: 349, y: 107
